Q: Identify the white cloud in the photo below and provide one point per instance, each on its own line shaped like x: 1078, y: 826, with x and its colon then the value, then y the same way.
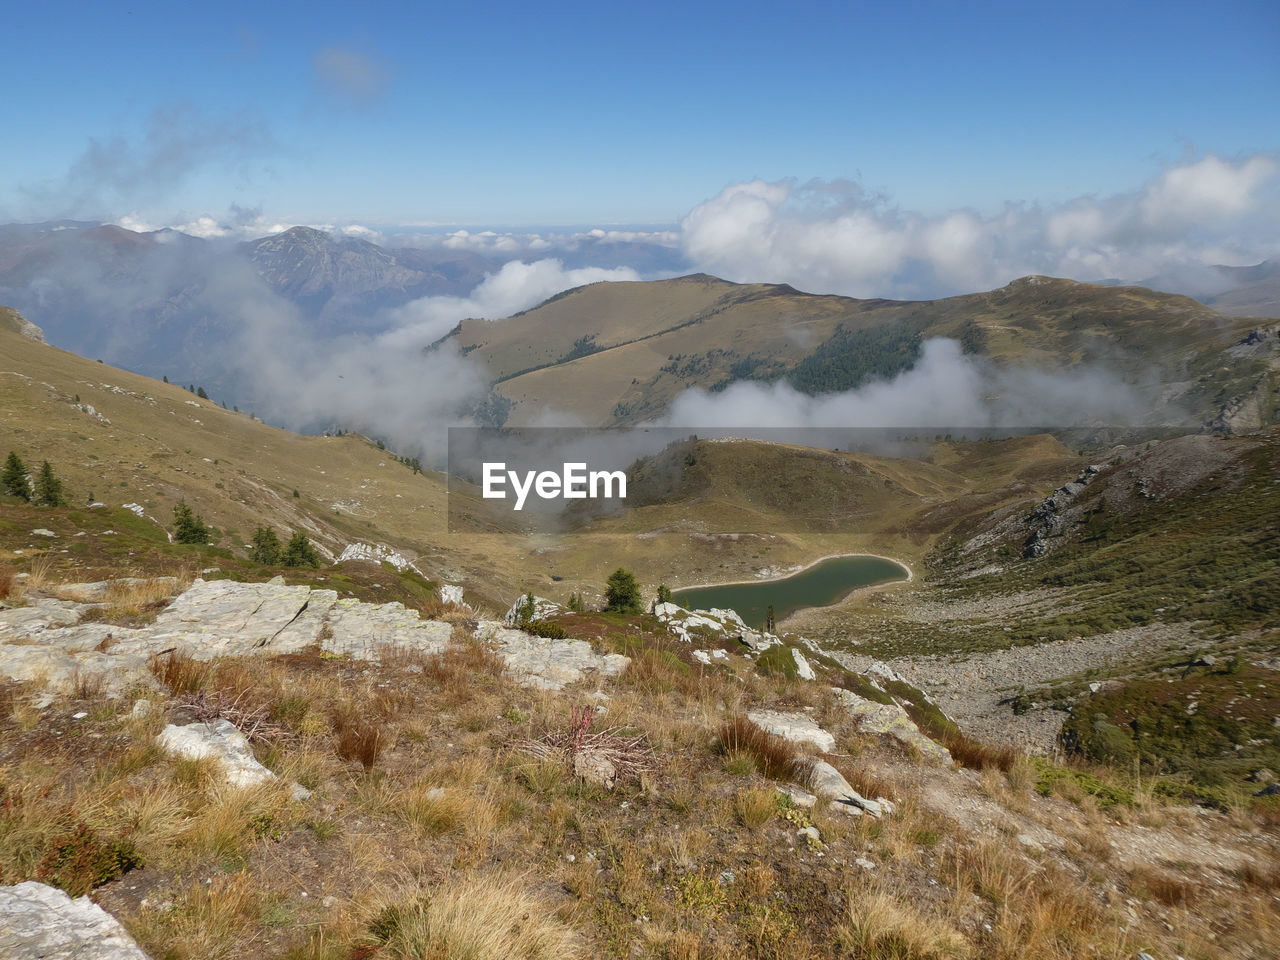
x: 834, y: 237
x: 515, y: 287
x: 945, y: 388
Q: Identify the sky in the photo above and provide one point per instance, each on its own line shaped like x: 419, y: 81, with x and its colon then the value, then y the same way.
x: 524, y: 115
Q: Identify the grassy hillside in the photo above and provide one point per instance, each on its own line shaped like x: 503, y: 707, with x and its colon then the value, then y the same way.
x: 620, y: 352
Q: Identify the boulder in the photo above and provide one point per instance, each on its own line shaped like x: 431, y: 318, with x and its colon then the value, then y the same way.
x: 221, y: 740
x: 826, y: 781
x: 40, y: 922
x: 803, y: 670
x: 794, y: 727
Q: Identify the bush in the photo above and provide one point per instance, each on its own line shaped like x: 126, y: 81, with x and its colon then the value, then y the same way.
x: 546, y: 629
x: 14, y: 478
x: 79, y: 861
x: 188, y: 526
x: 622, y: 593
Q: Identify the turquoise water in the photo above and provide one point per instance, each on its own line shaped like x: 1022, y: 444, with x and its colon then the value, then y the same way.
x: 820, y: 585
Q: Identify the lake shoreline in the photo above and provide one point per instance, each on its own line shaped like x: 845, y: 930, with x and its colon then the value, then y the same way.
x: 813, y: 563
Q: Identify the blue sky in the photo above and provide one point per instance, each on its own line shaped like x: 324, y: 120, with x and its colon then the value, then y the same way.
x: 587, y: 114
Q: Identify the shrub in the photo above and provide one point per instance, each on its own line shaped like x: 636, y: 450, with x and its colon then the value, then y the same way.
x: 545, y: 628
x: 80, y: 860
x: 14, y: 478
x: 622, y: 593
x: 188, y: 526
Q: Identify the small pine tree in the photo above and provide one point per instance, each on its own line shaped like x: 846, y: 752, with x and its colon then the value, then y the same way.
x: 201, y: 394
x: 300, y: 552
x: 166, y: 378
x: 664, y: 593
x: 622, y: 593
x: 188, y: 526
x: 48, y: 488
x: 266, y: 547
x: 15, y: 479
x: 528, y: 606
x: 575, y: 602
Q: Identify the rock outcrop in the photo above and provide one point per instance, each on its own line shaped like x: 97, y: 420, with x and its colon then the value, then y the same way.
x: 891, y: 719
x: 548, y: 664
x: 40, y: 922
x: 45, y: 642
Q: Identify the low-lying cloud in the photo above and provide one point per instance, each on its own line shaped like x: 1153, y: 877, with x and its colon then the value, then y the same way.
x: 945, y: 388
x: 516, y: 286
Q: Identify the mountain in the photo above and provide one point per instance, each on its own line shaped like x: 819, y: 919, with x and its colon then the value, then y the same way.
x: 345, y: 281
x: 621, y: 352
x: 163, y: 302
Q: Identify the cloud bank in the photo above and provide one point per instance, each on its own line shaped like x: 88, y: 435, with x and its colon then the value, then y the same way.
x: 945, y: 388
x: 835, y: 237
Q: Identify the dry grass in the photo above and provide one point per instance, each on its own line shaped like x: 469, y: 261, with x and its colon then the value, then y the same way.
x: 980, y: 756
x: 477, y: 918
x: 8, y: 575
x: 206, y: 921
x: 358, y: 737
x: 773, y: 756
x: 879, y: 926
x: 181, y: 673
x: 755, y: 806
x: 1150, y: 883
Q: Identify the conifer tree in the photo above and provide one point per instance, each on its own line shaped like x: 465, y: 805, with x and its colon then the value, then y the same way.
x: 48, y: 488
x: 300, y: 553
x: 188, y: 526
x: 266, y: 547
x: 14, y: 478
x: 622, y: 593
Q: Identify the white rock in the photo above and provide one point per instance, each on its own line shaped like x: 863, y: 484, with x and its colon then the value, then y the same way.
x: 826, y: 781
x: 221, y: 740
x: 42, y: 532
x: 794, y: 727
x: 40, y: 922
x: 542, y: 609
x: 803, y: 670
x: 702, y: 657
x: 547, y: 664
x: 891, y: 719
x: 451, y: 593
x: 377, y: 553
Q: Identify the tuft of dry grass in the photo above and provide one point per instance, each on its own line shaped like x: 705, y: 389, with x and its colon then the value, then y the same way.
x: 477, y: 918
x: 206, y: 921
x: 980, y: 756
x: 8, y: 576
x: 878, y: 926
x: 773, y: 756
x: 358, y: 737
x: 1152, y: 884
x: 180, y: 672
x: 755, y: 806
